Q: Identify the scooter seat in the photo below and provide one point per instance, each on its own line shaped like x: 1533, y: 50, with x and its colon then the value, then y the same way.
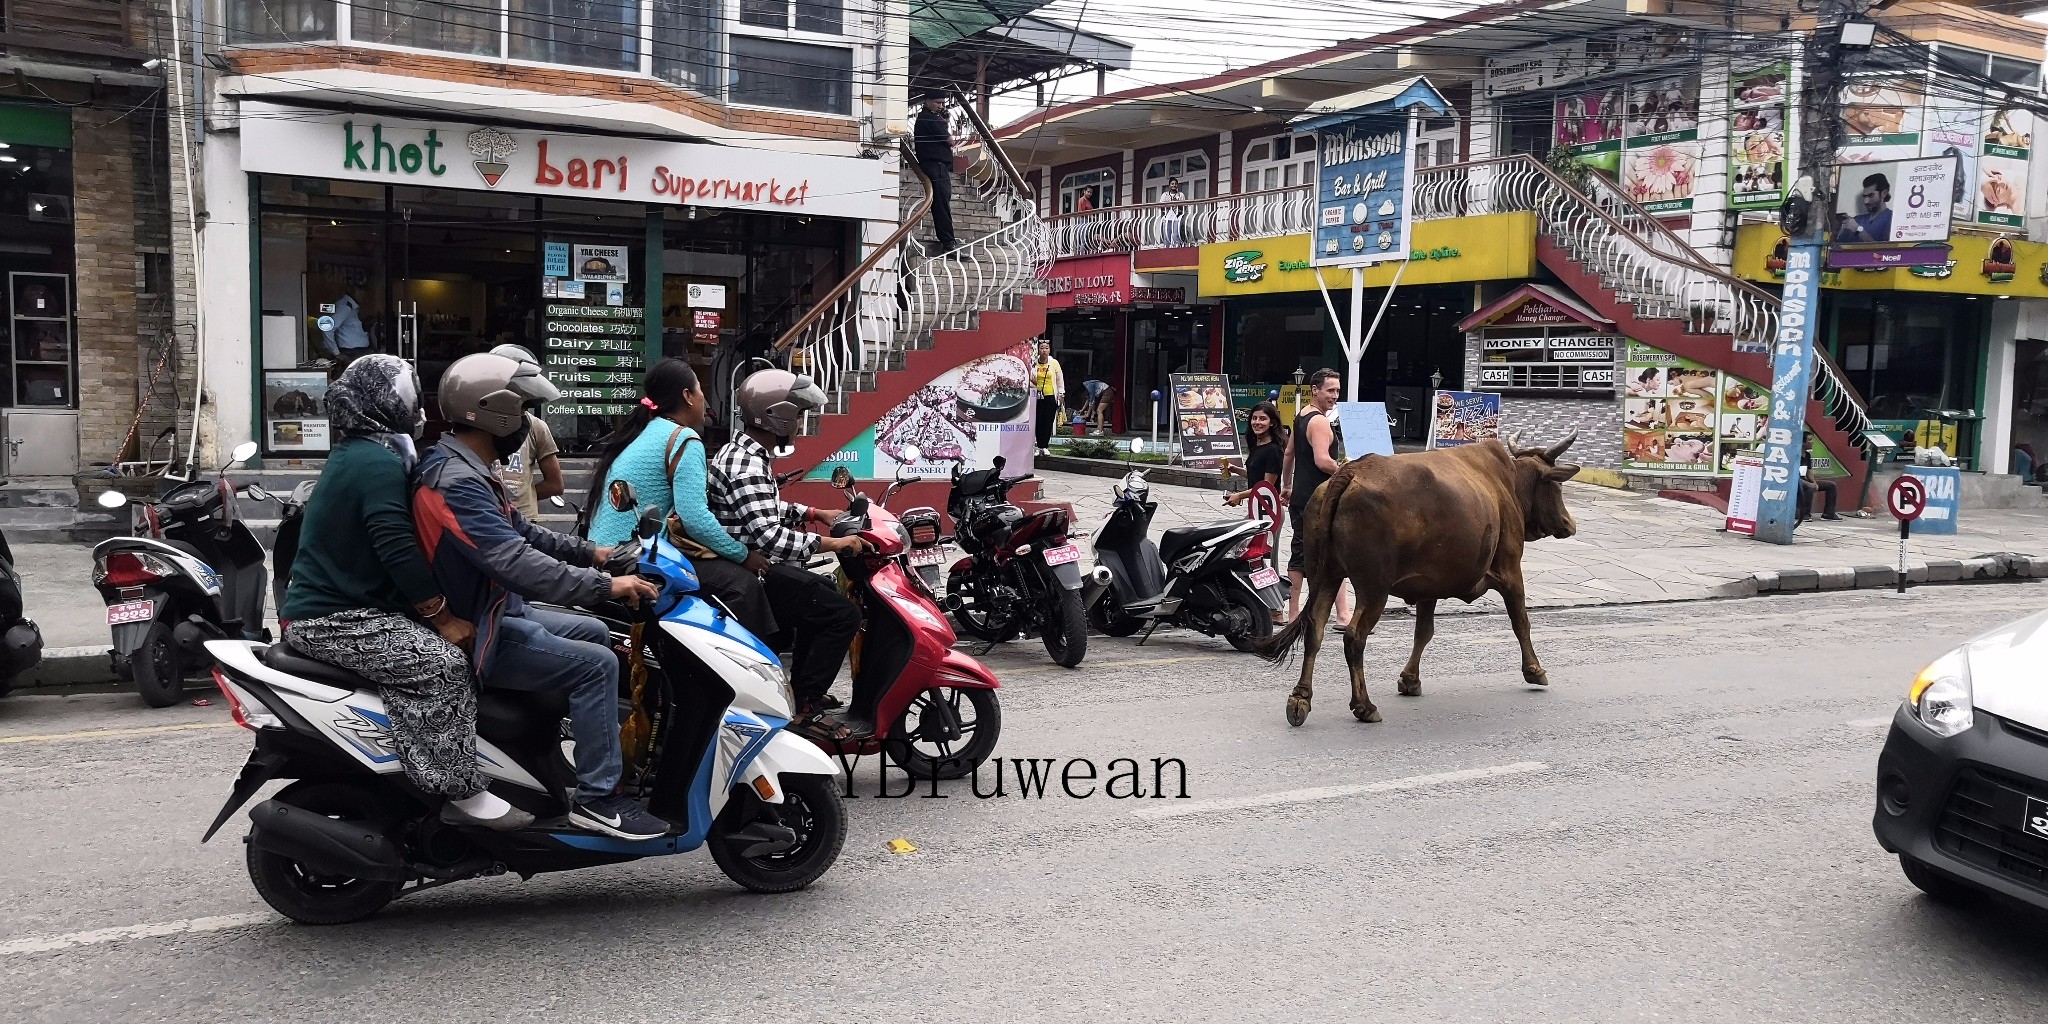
x: 282, y: 658
x: 1176, y: 542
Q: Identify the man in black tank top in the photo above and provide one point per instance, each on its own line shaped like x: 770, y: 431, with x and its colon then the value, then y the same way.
x: 1311, y: 460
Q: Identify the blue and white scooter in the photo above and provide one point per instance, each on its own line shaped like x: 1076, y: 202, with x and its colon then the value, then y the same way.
x: 351, y: 834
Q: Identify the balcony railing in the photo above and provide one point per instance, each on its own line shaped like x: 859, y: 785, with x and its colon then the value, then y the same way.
x: 1286, y: 211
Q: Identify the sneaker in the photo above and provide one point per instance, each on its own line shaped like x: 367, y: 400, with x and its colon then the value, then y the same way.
x: 510, y: 821
x: 617, y: 816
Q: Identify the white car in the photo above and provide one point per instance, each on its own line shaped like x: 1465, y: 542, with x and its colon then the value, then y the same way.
x: 1962, y: 785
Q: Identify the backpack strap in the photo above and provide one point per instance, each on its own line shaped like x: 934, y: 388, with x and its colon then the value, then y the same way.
x: 675, y: 452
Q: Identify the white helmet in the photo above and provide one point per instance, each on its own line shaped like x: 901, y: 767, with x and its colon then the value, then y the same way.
x: 776, y: 400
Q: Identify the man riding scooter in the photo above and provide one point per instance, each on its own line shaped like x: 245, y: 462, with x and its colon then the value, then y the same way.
x: 744, y: 497
x: 489, y: 560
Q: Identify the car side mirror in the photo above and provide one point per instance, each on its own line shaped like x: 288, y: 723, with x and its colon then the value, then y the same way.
x: 622, y: 496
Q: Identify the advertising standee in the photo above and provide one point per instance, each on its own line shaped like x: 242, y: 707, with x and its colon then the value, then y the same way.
x: 1204, y: 418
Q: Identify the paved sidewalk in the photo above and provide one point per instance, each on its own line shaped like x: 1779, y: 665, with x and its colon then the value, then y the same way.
x: 1634, y: 547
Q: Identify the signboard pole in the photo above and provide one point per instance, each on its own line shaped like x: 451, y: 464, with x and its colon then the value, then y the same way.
x: 1354, y: 342
x: 1905, y: 530
x: 1791, y: 364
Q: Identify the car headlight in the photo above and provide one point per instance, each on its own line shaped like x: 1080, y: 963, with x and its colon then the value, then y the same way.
x: 1940, y: 698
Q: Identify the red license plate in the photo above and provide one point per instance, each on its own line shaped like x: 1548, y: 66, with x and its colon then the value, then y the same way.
x: 130, y: 611
x: 1265, y: 578
x: 1062, y: 555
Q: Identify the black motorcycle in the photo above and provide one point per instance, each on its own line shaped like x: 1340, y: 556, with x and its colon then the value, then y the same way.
x: 21, y: 643
x: 1212, y: 578
x: 1020, y: 575
x: 191, y: 559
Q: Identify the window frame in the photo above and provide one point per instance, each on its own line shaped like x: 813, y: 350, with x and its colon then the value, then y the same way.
x: 1065, y: 191
x: 1292, y: 161
x: 1148, y: 192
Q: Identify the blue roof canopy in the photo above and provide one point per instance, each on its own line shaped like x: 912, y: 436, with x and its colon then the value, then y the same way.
x: 1380, y: 99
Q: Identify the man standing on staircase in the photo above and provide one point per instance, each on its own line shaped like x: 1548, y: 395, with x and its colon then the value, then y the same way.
x: 934, y: 135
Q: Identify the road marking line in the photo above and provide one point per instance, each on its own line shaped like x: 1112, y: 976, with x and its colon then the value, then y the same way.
x: 101, y: 936
x: 1297, y: 796
x: 93, y: 734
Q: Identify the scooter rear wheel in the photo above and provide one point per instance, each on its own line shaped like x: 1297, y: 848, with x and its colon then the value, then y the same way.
x: 935, y: 739
x: 159, y: 667
x: 309, y: 897
x: 1111, y: 622
x: 811, y: 807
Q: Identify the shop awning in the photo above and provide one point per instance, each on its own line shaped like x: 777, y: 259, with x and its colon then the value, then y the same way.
x: 938, y: 23
x: 1011, y: 54
x: 1562, y: 309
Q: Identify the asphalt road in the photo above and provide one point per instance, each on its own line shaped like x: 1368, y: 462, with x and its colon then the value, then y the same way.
x: 1678, y: 829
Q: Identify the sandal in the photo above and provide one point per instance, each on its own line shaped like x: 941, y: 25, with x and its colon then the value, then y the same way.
x: 824, y: 728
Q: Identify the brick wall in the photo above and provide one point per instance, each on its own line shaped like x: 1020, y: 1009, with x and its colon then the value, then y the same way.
x: 1547, y: 419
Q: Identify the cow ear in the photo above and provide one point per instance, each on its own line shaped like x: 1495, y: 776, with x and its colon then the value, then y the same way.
x: 1561, y: 472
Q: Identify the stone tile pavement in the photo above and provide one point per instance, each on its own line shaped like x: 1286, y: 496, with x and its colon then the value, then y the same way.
x: 1634, y: 547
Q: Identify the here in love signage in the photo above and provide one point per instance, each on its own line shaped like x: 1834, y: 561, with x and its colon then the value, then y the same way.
x: 309, y: 143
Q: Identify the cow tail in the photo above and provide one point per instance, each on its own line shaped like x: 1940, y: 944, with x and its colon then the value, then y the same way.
x: 1319, y: 520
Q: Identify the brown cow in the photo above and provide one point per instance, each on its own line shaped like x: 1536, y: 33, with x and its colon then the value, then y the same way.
x: 1423, y: 527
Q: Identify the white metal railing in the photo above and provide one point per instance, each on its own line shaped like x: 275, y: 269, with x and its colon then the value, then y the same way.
x: 1633, y: 253
x: 903, y: 292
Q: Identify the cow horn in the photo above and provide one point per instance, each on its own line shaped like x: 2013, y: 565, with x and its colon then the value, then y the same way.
x: 1513, y: 439
x: 1552, y: 453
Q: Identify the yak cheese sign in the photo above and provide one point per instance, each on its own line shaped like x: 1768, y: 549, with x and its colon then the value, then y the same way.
x: 307, y: 143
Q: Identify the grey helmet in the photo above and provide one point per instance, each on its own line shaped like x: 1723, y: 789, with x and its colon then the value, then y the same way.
x: 517, y: 353
x: 490, y: 392
x: 776, y: 400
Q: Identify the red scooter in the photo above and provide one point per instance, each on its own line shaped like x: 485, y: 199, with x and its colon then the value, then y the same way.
x: 934, y: 708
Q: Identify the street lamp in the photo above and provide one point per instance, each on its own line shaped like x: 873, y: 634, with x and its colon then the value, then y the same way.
x: 1300, y: 378
x: 1436, y: 379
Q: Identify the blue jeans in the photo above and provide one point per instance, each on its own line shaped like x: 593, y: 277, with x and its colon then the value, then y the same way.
x: 542, y: 649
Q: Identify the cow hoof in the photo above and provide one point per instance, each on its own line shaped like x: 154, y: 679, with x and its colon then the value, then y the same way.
x: 1411, y: 686
x: 1297, y: 711
x: 1368, y: 714
x: 1536, y: 678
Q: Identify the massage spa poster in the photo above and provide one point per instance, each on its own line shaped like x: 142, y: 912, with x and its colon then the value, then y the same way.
x: 965, y: 417
x: 1681, y: 417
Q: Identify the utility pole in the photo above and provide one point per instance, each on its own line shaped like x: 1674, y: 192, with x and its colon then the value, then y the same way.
x: 1792, y: 355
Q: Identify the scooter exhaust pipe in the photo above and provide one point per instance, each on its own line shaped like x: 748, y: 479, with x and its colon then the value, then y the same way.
x: 1101, y: 576
x: 326, y: 846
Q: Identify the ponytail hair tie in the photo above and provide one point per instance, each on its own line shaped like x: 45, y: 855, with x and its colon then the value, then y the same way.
x: 649, y: 403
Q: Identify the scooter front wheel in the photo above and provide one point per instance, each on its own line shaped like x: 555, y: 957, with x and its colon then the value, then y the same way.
x: 159, y: 667
x: 811, y: 810
x: 939, y: 738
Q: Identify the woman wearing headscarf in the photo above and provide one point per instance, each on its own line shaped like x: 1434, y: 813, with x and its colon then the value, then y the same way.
x: 363, y: 598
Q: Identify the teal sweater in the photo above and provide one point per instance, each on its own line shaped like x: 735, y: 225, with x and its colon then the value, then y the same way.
x: 357, y: 548
x: 644, y: 464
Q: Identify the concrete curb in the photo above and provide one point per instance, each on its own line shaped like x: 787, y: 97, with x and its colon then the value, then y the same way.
x: 1601, y: 478
x: 2002, y: 565
x: 64, y: 667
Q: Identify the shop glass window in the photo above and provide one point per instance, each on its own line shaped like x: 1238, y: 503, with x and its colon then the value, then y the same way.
x: 687, y: 44
x: 452, y: 26
x: 1191, y: 168
x: 279, y: 21
x: 1282, y: 161
x: 1099, y: 186
x: 603, y: 34
x: 36, y: 253
x: 793, y: 76
x: 1529, y: 127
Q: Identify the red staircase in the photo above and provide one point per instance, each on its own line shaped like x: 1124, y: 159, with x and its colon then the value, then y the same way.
x: 906, y: 315
x: 1629, y: 267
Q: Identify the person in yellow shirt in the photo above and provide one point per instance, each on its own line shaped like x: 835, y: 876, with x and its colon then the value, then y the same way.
x: 1049, y: 383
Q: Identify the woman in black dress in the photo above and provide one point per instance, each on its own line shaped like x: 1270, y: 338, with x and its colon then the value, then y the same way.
x: 1268, y: 452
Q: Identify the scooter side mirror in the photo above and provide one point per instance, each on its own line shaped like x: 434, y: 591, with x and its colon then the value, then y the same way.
x: 842, y: 477
x: 113, y: 499
x: 623, y: 496
x: 1137, y: 446
x: 556, y: 501
x: 243, y: 452
x: 257, y: 493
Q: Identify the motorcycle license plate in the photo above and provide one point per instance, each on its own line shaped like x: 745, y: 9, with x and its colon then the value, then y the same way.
x: 1062, y: 555
x: 130, y: 611
x: 926, y: 556
x: 1265, y: 577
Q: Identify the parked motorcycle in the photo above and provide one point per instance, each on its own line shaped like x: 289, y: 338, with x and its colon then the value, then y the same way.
x: 1020, y: 575
x: 934, y: 708
x: 21, y: 642
x: 285, y: 550
x: 1212, y: 578
x: 166, y: 575
x: 349, y: 835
